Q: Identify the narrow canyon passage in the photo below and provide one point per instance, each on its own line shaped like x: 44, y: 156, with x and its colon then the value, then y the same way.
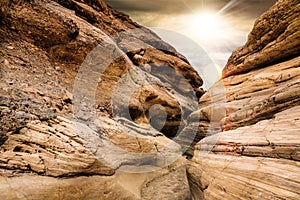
x: 95, y: 106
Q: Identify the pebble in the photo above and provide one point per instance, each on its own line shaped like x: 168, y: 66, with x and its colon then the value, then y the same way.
x: 6, y: 62
x: 10, y: 47
x: 40, y: 93
x: 59, y: 106
x: 47, y: 100
x: 21, y: 114
x: 60, y: 69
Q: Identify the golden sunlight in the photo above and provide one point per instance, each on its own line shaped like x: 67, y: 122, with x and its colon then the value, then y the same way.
x: 208, y: 26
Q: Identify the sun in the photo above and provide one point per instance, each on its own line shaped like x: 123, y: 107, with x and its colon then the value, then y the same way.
x: 206, y: 24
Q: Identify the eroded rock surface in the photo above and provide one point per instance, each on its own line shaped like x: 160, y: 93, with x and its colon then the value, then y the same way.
x: 72, y: 130
x: 274, y: 38
x: 250, y: 118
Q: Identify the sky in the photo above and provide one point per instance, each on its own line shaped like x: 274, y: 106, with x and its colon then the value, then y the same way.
x: 204, y: 31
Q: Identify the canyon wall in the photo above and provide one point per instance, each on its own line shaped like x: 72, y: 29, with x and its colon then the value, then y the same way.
x: 95, y: 106
x: 89, y: 101
x: 256, y: 104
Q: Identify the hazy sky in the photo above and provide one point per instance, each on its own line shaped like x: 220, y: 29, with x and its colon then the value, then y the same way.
x: 205, y: 31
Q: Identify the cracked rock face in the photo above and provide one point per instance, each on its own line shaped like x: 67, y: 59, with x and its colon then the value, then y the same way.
x: 73, y: 130
x: 250, y: 118
x: 274, y: 38
x: 56, y: 144
x: 52, y: 148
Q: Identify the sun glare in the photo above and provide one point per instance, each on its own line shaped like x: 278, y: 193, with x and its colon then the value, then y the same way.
x: 206, y: 25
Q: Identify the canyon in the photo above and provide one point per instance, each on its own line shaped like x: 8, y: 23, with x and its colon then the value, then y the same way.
x: 95, y: 106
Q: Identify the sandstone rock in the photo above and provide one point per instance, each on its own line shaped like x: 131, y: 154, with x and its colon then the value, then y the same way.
x: 59, y: 148
x: 275, y: 37
x: 53, y: 149
x: 96, y: 187
x: 231, y: 177
x: 250, y: 118
x: 107, y: 136
x: 73, y: 32
x: 119, y: 186
x: 248, y: 98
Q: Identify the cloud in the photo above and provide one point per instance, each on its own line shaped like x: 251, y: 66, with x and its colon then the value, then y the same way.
x: 169, y: 13
x: 247, y: 7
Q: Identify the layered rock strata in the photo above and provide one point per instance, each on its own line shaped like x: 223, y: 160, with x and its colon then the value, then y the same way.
x: 250, y: 118
x: 72, y: 128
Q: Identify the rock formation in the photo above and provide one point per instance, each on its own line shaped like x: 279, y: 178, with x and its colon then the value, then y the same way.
x: 67, y: 124
x: 94, y: 106
x: 254, y: 154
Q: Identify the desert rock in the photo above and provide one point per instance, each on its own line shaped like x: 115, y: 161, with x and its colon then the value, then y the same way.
x: 250, y: 118
x: 65, y: 121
